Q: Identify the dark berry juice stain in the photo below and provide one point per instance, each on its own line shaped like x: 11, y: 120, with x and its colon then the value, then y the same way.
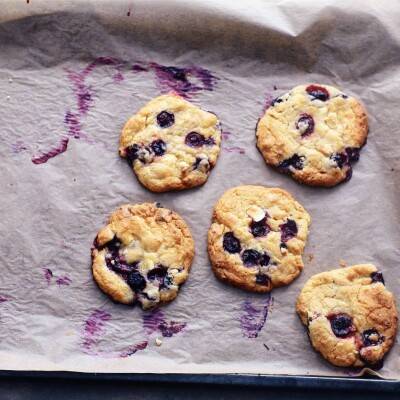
x: 185, y: 81
x: 156, y: 322
x: 60, y: 280
x: 3, y: 299
x: 235, y: 149
x: 94, y: 329
x: 53, y: 152
x: 63, y: 281
x: 131, y: 350
x: 48, y: 275
x: 254, y: 315
x: 18, y: 147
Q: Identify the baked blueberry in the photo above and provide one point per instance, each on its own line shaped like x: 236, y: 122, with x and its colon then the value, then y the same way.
x: 340, y: 159
x: 371, y: 337
x: 136, y: 281
x: 251, y: 257
x: 132, y: 153
x: 296, y: 162
x: 318, y: 92
x: 305, y: 125
x: 158, y: 272
x: 194, y: 139
x: 341, y: 324
x: 165, y: 119
x: 158, y: 147
x: 264, y: 259
x: 230, y: 243
x: 377, y: 276
x: 259, y: 228
x: 353, y: 153
x: 263, y: 279
x: 288, y: 230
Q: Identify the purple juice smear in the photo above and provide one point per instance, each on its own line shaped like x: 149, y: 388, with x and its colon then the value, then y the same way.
x: 131, y: 350
x: 254, y: 315
x: 44, y: 157
x: 63, y: 281
x: 185, y: 81
x: 18, y: 147
x: 48, y: 275
x: 94, y: 328
x: 156, y: 322
x: 3, y: 299
x: 235, y: 149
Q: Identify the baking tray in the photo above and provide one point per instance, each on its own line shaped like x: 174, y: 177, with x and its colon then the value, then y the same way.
x: 273, y: 381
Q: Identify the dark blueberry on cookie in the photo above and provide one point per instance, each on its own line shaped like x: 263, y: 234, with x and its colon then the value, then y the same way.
x: 371, y: 337
x: 342, y: 325
x: 353, y: 153
x: 288, y: 230
x: 114, y: 245
x: 158, y: 272
x: 209, y: 141
x: 317, y: 92
x: 159, y: 147
x: 165, y: 119
x: 263, y: 279
x: 276, y: 101
x: 136, y: 281
x: 132, y: 153
x: 251, y: 257
x: 296, y: 161
x: 340, y: 159
x: 259, y: 228
x: 377, y: 276
x: 230, y: 243
x: 123, y: 267
x: 194, y: 139
x: 305, y: 125
x: 264, y: 259
x: 177, y: 73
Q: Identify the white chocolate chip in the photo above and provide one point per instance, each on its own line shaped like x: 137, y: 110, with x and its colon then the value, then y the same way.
x: 302, y: 125
x: 173, y: 271
x: 158, y: 342
x: 145, y: 155
x: 256, y: 213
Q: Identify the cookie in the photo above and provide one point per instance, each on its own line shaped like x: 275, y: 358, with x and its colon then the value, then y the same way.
x: 257, y: 237
x: 142, y: 255
x: 171, y: 144
x: 314, y: 133
x: 351, y: 317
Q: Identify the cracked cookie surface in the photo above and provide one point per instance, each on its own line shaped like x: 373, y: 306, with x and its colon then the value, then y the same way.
x: 171, y: 144
x: 313, y: 133
x: 142, y: 255
x: 257, y: 237
x: 351, y: 317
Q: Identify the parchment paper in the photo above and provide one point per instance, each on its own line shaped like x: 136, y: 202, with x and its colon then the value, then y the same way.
x: 71, y: 73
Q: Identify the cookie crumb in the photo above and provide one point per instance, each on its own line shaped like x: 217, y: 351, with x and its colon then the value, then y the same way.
x: 158, y: 342
x: 266, y: 346
x: 342, y: 263
x: 10, y: 80
x: 8, y: 97
x: 310, y: 257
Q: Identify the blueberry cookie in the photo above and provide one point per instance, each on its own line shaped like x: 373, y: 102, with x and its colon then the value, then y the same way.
x: 142, y: 255
x: 171, y: 144
x: 257, y: 238
x: 351, y: 317
x: 314, y: 133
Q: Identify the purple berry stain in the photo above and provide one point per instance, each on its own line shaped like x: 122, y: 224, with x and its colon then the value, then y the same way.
x: 18, y: 147
x: 94, y: 329
x: 235, y: 149
x: 185, y: 81
x: 63, y: 281
x: 3, y: 299
x: 53, y: 152
x: 255, y: 313
x: 48, y: 275
x: 156, y: 322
